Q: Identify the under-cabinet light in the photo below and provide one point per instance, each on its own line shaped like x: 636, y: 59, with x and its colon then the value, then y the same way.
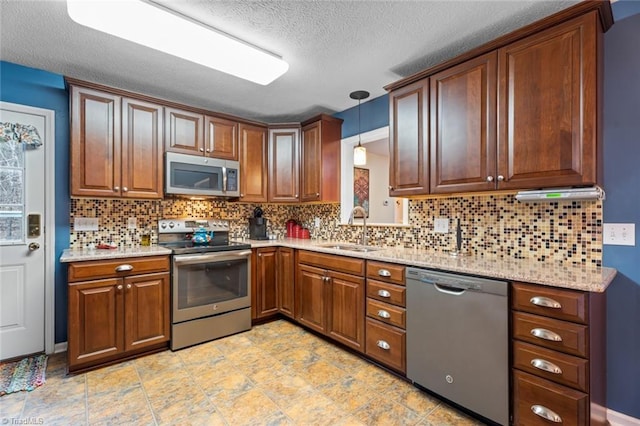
x: 158, y: 28
x: 561, y: 194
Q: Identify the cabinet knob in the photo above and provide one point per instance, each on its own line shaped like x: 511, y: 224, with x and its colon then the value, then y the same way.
x: 391, y: 187
x: 116, y: 188
x: 500, y: 178
x: 259, y: 254
x: 317, y: 195
x: 208, y: 150
x: 543, y: 333
x: 119, y: 287
x: 125, y: 189
x: 383, y: 345
x: 545, y: 413
x: 128, y: 286
x: 201, y: 149
x: 489, y: 178
x: 295, y: 196
x: 545, y: 302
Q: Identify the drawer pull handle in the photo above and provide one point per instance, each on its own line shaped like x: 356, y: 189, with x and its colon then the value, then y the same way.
x: 384, y: 314
x: 545, y: 413
x: 384, y: 273
x: 545, y: 365
x: 545, y: 302
x: 545, y: 334
x: 124, y: 268
x: 383, y: 345
x: 384, y: 293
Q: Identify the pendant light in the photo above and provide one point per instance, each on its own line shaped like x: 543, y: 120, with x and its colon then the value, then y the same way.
x: 359, y: 152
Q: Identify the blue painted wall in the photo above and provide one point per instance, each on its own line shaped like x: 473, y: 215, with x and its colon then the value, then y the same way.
x: 42, y: 89
x: 373, y: 115
x: 621, y: 183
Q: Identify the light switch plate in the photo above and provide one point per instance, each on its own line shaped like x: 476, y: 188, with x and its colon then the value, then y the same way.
x: 441, y: 225
x: 620, y: 234
x: 85, y: 223
x: 132, y: 223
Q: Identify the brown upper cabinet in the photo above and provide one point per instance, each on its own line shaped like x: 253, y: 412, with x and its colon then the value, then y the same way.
x: 463, y: 126
x: 116, y: 145
x: 221, y: 138
x: 547, y: 134
x: 520, y: 112
x: 408, y: 144
x: 184, y: 131
x: 320, y: 159
x: 253, y: 163
x: 284, y: 149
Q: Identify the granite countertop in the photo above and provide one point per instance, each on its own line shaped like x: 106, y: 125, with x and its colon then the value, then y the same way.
x: 80, y: 255
x: 551, y: 273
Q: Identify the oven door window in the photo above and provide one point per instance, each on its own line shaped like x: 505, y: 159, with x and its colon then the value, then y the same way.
x: 195, y: 176
x: 210, y: 283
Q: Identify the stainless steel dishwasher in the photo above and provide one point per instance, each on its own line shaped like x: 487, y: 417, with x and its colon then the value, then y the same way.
x: 457, y: 340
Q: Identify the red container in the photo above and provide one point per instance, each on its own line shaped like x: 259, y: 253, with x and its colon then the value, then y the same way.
x: 304, y: 233
x: 290, y: 224
x: 296, y: 231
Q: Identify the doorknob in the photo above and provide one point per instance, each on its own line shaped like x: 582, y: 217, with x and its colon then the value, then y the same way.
x: 34, y: 246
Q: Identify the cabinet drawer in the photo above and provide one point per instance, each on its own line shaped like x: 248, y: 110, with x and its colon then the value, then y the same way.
x: 533, y: 395
x: 386, y: 292
x: 93, y: 269
x: 551, y: 302
x: 386, y: 344
x: 551, y: 333
x: 387, y: 313
x: 552, y: 365
x: 386, y: 272
x: 346, y: 264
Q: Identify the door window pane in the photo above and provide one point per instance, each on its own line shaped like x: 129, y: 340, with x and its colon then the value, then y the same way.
x: 12, y: 226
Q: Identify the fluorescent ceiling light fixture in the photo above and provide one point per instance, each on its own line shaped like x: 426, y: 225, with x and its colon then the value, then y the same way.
x: 157, y: 28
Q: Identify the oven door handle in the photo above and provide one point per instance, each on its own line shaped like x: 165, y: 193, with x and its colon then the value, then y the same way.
x: 202, y: 258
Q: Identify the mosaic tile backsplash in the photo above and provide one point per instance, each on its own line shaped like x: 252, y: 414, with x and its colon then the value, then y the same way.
x: 492, y: 225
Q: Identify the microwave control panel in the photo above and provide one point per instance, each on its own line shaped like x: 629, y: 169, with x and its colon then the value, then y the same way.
x: 232, y: 180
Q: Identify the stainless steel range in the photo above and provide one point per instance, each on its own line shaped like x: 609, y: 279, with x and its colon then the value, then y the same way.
x: 210, y: 280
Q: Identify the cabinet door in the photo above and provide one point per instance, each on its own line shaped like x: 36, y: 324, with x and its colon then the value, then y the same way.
x: 253, y: 163
x: 286, y: 281
x: 184, y: 131
x: 346, y: 309
x: 408, y: 143
x: 96, y: 320
x: 95, y: 143
x: 142, y: 149
x: 310, y: 291
x: 146, y: 310
x: 266, y: 288
x: 311, y: 163
x: 463, y: 127
x: 547, y: 133
x: 283, y: 165
x: 221, y: 138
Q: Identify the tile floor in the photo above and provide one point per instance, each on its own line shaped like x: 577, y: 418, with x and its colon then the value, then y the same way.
x: 275, y: 374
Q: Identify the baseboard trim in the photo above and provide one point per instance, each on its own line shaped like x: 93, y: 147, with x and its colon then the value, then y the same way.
x: 619, y: 419
x: 60, y: 347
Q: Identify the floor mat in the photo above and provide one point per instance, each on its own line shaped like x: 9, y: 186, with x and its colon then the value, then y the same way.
x: 25, y: 374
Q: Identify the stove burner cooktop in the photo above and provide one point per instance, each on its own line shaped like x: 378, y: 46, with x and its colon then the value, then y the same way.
x: 176, y: 234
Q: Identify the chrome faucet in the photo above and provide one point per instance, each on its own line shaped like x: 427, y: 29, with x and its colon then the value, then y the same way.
x: 364, y: 222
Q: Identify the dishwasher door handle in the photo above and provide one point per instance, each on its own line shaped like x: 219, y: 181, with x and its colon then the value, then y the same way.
x: 454, y: 291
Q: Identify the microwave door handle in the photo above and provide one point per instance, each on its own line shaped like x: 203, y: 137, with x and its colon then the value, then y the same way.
x: 224, y: 179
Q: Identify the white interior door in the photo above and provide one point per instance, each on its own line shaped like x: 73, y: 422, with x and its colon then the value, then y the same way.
x: 22, y: 248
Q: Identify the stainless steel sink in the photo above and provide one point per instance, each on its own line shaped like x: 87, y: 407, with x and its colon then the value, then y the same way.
x: 350, y: 247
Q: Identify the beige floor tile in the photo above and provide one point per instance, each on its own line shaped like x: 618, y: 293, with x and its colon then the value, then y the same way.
x: 227, y: 388
x: 175, y: 409
x: 341, y: 358
x: 120, y: 407
x: 348, y: 394
x: 385, y: 412
x: 249, y: 407
x: 152, y: 365
x: 195, y: 354
x: 233, y: 343
x: 119, y: 376
x: 11, y: 405
x: 265, y: 370
x: 286, y: 389
x: 378, y: 379
x: 415, y: 399
x: 321, y: 373
x: 444, y: 415
x: 315, y: 409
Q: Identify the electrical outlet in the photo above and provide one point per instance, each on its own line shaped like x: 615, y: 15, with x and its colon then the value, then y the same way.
x: 85, y: 223
x: 316, y: 222
x: 620, y: 234
x: 132, y: 223
x: 441, y: 225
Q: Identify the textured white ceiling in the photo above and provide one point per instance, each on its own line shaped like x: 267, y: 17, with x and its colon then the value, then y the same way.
x: 333, y: 48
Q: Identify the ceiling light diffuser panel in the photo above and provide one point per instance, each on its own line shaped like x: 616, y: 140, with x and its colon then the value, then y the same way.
x: 160, y: 29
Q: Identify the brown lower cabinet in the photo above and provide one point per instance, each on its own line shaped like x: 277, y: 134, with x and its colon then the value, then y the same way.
x: 272, y: 282
x: 120, y: 311
x: 558, y: 356
x: 330, y: 296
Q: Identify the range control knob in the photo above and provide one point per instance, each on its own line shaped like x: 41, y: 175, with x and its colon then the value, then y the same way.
x: 163, y: 225
x: 171, y: 225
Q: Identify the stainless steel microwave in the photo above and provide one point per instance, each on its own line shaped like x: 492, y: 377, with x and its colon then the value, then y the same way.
x: 199, y: 176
